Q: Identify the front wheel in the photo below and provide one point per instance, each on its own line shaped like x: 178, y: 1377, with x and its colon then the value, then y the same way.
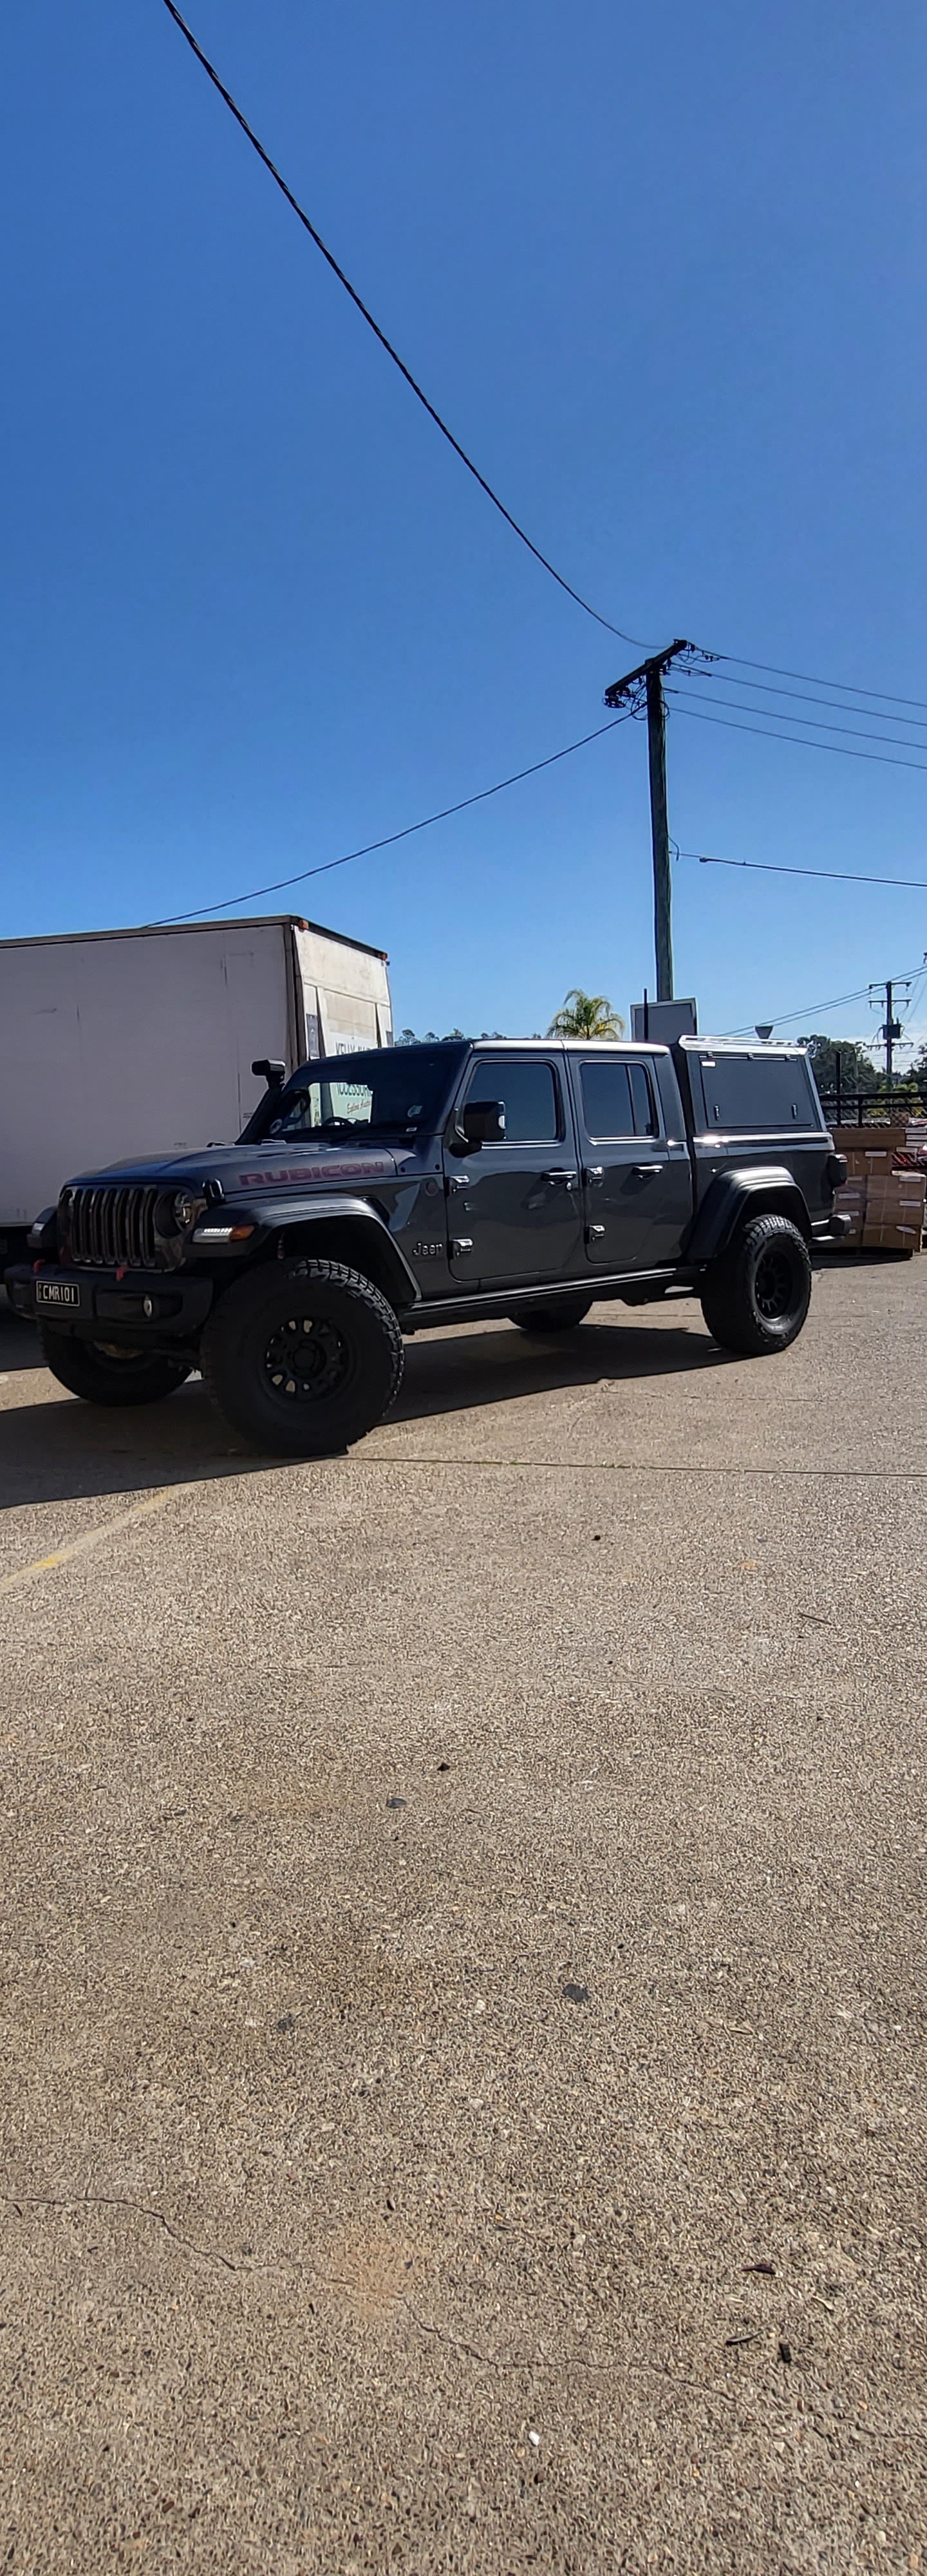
x: 102, y: 1373
x: 756, y: 1297
x: 302, y: 1357
x: 561, y: 1317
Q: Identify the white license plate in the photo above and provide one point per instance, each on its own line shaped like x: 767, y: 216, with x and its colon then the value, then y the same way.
x: 57, y: 1292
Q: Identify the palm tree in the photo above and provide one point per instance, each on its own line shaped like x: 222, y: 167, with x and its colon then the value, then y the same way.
x: 586, y: 1015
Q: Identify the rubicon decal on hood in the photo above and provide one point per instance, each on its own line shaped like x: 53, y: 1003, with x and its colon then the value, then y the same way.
x: 373, y: 1167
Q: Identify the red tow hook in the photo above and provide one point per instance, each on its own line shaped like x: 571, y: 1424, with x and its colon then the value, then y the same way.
x: 120, y: 1274
x: 36, y: 1267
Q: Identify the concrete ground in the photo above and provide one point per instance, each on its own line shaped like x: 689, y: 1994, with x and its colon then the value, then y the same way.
x: 463, y: 1932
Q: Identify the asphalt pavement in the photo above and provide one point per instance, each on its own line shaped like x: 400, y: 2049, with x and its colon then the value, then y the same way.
x: 462, y: 1918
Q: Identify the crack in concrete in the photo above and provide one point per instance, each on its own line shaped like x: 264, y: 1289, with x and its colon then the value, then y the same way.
x: 613, y: 2360
x: 137, y: 2208
x: 507, y: 2364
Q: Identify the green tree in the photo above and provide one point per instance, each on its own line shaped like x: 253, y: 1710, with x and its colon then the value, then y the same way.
x: 586, y: 1015
x: 917, y: 1077
x: 857, y: 1071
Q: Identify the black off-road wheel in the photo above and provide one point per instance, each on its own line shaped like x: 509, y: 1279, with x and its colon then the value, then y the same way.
x: 102, y: 1373
x: 302, y: 1357
x: 560, y: 1317
x: 755, y: 1299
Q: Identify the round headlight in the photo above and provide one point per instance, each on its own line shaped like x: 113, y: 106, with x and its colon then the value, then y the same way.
x: 186, y: 1210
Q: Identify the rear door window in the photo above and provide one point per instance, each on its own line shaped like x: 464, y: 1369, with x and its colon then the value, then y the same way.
x: 752, y: 1095
x: 617, y: 1099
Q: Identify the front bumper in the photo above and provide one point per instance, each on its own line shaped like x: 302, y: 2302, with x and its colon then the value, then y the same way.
x: 146, y: 1307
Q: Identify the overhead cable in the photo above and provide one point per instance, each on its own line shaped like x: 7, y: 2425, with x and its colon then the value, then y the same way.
x: 741, y: 661
x: 852, y: 687
x: 279, y: 884
x: 809, y: 724
x: 770, y: 733
x: 784, y: 1019
x: 769, y: 868
x: 385, y: 343
x: 805, y: 698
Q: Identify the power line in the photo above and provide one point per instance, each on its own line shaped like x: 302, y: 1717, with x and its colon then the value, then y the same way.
x: 914, y: 999
x: 278, y: 885
x: 816, y: 682
x: 785, y: 1019
x: 803, y: 698
x: 768, y: 868
x: 811, y: 724
x: 367, y: 316
x: 776, y: 671
x: 770, y: 734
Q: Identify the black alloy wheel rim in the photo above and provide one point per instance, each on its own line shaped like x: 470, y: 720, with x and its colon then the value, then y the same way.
x: 774, y: 1286
x: 306, y: 1360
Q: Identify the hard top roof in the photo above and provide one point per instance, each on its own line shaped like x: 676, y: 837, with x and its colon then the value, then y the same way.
x: 639, y: 1046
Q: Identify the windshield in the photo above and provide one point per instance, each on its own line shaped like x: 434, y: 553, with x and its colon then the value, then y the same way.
x: 393, y: 1091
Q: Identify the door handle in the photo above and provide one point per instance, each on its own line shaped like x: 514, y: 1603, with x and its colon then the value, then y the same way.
x: 569, y: 1179
x: 642, y: 1169
x: 593, y: 1174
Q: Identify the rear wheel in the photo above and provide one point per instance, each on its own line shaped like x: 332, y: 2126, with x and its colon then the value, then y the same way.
x: 302, y: 1358
x: 756, y: 1297
x: 561, y: 1316
x: 102, y: 1373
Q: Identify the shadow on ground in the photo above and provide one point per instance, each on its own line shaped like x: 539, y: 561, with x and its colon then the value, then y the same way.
x: 57, y: 1451
x: 831, y: 1257
x: 501, y: 1364
x: 19, y: 1343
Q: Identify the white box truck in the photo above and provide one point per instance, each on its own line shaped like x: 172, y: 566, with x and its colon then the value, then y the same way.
x: 127, y: 1042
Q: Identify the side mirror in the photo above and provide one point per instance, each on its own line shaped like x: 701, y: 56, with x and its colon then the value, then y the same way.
x: 483, y: 1122
x: 272, y: 1073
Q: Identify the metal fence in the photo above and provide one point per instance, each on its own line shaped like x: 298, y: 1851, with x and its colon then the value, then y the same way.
x: 873, y: 1108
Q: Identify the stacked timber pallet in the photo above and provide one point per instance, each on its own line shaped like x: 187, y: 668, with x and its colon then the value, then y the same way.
x: 883, y: 1200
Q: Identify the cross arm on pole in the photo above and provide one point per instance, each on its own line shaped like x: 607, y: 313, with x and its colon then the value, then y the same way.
x: 620, y: 689
x: 643, y: 688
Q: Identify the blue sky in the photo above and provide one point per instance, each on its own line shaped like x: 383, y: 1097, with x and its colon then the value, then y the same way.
x: 664, y: 274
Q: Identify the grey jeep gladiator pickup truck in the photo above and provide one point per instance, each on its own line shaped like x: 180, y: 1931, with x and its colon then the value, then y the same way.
x: 373, y: 1194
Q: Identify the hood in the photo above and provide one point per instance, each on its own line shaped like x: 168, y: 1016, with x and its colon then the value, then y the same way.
x: 265, y: 1165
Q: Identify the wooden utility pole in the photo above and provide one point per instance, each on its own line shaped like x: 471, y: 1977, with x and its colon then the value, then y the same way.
x: 659, y: 833
x: 890, y: 1031
x: 644, y: 687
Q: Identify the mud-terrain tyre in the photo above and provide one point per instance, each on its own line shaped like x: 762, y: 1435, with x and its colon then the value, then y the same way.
x: 561, y: 1317
x: 756, y: 1297
x: 302, y: 1357
x: 103, y: 1374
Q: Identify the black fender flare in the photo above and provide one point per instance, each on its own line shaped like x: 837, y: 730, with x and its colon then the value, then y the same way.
x: 768, y: 1189
x: 364, y: 1233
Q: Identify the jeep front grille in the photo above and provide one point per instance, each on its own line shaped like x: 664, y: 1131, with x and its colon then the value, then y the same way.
x: 107, y: 1228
